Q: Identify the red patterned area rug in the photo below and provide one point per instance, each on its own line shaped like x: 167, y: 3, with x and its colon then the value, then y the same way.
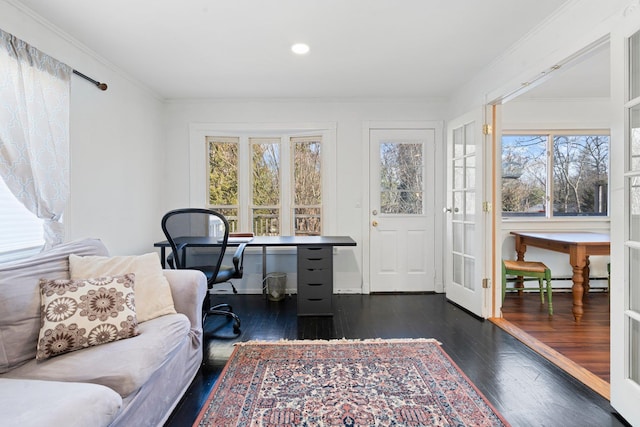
x: 404, y: 382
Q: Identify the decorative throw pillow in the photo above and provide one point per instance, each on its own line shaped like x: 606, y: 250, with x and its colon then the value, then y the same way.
x: 153, y: 292
x: 76, y: 314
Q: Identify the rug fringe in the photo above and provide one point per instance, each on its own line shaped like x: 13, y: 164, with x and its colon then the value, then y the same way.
x: 341, y: 341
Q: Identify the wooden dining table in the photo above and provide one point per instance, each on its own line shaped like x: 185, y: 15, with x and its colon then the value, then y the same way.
x: 579, y: 246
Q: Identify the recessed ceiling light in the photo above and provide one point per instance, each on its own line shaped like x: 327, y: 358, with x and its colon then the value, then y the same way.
x: 300, y: 48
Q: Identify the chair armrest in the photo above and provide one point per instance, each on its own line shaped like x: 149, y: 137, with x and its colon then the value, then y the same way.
x: 238, y: 260
x: 170, y: 259
x: 188, y: 289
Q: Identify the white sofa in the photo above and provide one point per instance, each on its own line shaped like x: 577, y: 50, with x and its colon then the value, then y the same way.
x: 136, y: 381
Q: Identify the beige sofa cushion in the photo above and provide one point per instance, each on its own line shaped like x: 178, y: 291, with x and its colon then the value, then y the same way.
x: 123, y: 365
x: 33, y: 403
x: 153, y: 293
x: 82, y: 313
x: 20, y: 297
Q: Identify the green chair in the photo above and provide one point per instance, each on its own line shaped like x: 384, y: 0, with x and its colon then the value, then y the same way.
x: 528, y: 270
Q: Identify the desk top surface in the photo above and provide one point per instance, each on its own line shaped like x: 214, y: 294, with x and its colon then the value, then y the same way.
x: 567, y: 237
x: 269, y: 241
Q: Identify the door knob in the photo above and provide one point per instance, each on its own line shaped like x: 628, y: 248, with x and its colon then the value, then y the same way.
x: 374, y: 223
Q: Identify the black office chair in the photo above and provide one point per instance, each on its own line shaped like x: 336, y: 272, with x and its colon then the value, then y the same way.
x: 198, y: 239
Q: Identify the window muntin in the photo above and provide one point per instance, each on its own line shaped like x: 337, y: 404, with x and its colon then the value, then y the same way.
x: 260, y: 192
x: 557, y: 174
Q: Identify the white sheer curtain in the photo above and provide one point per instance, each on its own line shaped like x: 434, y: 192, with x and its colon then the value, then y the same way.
x: 34, y: 131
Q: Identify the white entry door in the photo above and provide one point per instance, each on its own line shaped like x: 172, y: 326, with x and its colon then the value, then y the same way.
x: 466, y: 249
x: 401, y: 210
x: 625, y: 222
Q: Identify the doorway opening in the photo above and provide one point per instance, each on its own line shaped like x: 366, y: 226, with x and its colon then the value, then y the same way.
x: 572, y: 96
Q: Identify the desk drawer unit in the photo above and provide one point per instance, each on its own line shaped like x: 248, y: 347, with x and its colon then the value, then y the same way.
x: 315, y: 281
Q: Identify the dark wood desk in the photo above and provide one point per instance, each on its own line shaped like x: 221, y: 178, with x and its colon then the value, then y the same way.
x: 579, y: 246
x: 315, y: 264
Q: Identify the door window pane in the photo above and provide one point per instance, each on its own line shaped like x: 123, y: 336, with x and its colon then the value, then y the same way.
x: 401, y: 180
x: 634, y: 203
x: 469, y: 267
x: 458, y: 143
x: 457, y: 237
x: 634, y: 279
x: 634, y: 347
x: 470, y: 172
x: 458, y: 174
x: 634, y: 62
x: 469, y: 138
x: 634, y: 137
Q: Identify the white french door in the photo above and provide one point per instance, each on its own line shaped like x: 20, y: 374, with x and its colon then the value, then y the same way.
x: 625, y: 223
x: 401, y: 210
x: 466, y: 248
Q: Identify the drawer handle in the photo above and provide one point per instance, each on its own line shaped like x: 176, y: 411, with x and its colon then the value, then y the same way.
x: 314, y: 249
x: 314, y: 259
x: 315, y: 284
x: 315, y: 269
x: 315, y: 299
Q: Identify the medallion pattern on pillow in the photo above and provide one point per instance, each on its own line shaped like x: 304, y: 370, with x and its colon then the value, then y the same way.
x: 76, y: 314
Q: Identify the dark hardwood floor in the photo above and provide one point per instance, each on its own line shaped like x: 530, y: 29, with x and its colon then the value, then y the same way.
x: 524, y: 387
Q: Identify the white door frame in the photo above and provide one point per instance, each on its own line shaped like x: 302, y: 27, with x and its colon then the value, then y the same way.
x: 367, y: 126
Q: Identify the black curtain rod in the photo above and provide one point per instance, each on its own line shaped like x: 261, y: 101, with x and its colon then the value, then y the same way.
x: 101, y: 86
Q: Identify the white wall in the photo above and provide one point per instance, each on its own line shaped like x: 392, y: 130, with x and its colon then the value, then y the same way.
x: 115, y: 142
x: 561, y: 114
x: 349, y: 116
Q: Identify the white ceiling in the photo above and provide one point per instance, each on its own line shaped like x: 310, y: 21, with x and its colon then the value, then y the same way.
x: 241, y: 48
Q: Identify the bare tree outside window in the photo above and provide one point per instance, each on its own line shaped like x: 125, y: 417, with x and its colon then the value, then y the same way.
x: 265, y: 200
x: 524, y: 174
x: 580, y: 174
x: 401, y: 166
x: 579, y: 179
x: 307, y: 186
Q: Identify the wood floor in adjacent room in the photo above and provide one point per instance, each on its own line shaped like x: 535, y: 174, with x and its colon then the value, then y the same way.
x: 581, y: 349
x: 526, y: 388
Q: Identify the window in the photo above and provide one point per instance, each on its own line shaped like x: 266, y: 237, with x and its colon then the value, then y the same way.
x: 253, y: 179
x: 555, y: 174
x: 21, y: 230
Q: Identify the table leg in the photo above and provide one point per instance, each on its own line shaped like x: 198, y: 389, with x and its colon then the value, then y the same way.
x: 521, y: 248
x: 162, y: 256
x: 585, y: 275
x: 578, y: 259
